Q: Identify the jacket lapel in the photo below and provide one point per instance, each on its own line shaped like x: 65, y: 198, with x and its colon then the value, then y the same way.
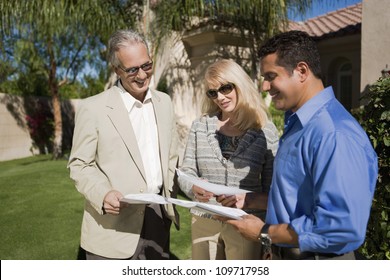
x: 161, y: 120
x: 117, y: 113
x: 212, y: 123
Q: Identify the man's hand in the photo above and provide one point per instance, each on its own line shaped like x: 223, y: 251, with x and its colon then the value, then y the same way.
x: 111, y: 202
x: 249, y: 226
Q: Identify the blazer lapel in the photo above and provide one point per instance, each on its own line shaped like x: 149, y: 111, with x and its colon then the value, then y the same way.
x: 212, y: 122
x: 163, y: 141
x: 116, y: 111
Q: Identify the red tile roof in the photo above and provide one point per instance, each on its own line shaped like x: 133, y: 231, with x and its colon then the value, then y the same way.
x: 340, y: 22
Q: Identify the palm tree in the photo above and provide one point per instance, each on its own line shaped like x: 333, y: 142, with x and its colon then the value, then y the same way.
x: 255, y: 20
x: 206, y: 29
x: 58, y: 37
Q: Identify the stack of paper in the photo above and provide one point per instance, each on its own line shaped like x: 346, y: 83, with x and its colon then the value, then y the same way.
x: 214, y: 188
x: 233, y: 213
x: 229, y: 212
x: 148, y: 198
x: 144, y: 198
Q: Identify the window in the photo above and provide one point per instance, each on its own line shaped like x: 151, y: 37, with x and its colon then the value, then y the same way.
x: 344, y: 84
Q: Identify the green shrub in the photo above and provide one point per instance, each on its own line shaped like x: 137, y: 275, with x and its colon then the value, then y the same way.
x: 277, y: 118
x: 375, y: 119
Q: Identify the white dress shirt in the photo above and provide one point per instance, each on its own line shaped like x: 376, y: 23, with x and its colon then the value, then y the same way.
x: 143, y: 120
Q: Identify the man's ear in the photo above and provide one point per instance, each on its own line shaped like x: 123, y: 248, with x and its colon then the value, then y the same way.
x: 302, y: 70
x: 116, y: 70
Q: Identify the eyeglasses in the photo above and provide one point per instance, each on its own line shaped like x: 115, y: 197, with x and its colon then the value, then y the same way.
x: 132, y: 71
x: 224, y: 89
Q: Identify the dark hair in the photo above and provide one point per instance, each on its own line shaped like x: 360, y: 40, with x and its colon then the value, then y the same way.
x: 291, y: 48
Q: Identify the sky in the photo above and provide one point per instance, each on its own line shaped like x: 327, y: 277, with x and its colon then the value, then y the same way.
x: 321, y: 7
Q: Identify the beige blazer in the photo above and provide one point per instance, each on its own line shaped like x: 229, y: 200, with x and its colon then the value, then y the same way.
x: 105, y: 156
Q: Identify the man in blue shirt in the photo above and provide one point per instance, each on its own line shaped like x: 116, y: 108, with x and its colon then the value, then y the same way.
x: 325, y: 170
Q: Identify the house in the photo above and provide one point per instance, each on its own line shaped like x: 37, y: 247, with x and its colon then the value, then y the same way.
x: 354, y: 48
x: 353, y: 45
x: 338, y: 35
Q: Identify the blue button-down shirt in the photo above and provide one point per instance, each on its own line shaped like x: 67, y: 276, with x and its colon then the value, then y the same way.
x: 324, y: 177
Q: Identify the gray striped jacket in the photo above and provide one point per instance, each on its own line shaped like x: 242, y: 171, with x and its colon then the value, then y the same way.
x: 249, y: 167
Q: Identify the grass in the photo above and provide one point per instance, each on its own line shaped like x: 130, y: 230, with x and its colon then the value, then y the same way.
x: 42, y: 211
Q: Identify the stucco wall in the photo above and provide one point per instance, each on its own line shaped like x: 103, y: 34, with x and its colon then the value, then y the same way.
x: 375, y: 40
x: 15, y: 139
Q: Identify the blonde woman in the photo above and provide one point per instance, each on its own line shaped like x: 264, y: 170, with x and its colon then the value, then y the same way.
x: 233, y: 143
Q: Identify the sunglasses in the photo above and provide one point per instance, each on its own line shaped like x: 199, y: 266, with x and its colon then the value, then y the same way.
x: 132, y: 71
x: 224, y: 89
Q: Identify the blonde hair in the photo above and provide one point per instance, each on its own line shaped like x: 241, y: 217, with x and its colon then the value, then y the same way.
x: 250, y: 110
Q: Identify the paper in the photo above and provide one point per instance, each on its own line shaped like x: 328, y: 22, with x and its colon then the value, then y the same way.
x: 214, y: 188
x: 233, y: 213
x: 148, y: 198
x: 144, y: 198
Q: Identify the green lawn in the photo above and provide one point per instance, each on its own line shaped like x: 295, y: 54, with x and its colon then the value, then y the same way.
x: 41, y: 213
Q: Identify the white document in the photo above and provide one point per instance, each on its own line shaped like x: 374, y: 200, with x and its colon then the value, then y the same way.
x: 144, y: 198
x: 214, y: 188
x: 232, y: 213
x: 147, y: 198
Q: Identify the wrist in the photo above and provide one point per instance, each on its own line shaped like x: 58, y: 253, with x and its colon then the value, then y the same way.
x: 265, y: 228
x: 266, y: 242
x: 263, y: 236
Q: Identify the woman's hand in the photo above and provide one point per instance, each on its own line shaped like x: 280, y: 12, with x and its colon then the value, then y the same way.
x: 234, y: 201
x: 201, y: 195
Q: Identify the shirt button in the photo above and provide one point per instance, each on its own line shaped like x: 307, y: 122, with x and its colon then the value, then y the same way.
x: 141, y: 190
x: 141, y: 212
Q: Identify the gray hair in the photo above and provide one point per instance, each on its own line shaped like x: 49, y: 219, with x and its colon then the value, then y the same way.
x: 123, y: 38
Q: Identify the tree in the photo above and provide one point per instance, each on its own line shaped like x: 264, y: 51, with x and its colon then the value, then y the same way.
x: 375, y: 119
x: 254, y: 20
x: 57, y: 38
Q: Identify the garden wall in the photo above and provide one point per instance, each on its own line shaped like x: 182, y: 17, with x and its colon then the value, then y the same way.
x: 26, y: 124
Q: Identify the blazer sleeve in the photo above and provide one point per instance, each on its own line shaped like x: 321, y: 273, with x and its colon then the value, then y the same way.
x: 189, y: 164
x: 89, y: 180
x: 173, y: 157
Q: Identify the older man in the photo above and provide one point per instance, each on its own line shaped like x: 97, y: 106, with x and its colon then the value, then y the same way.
x: 125, y: 143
